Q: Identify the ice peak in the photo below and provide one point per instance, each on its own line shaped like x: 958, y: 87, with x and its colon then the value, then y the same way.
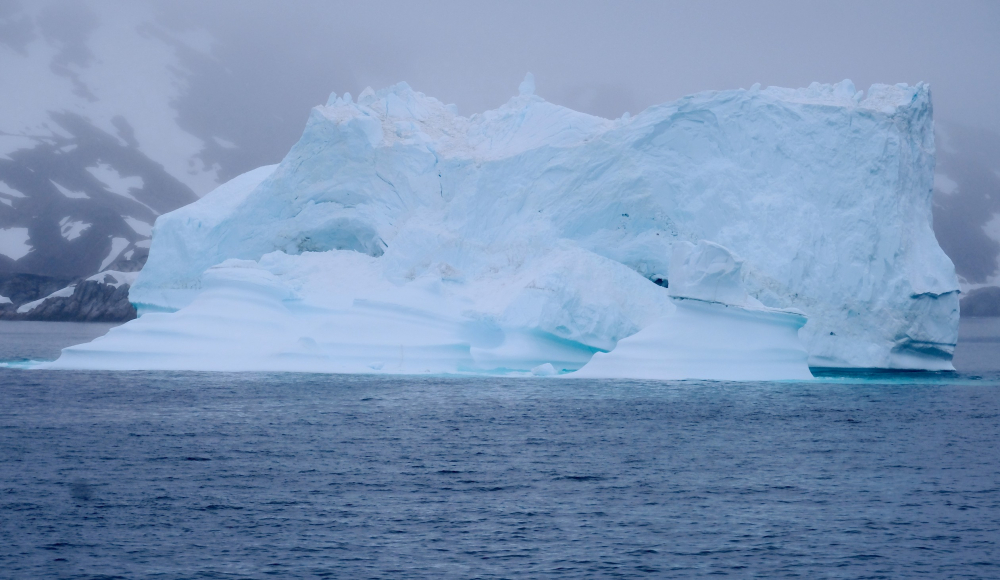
x: 527, y: 86
x: 401, y: 88
x: 367, y: 96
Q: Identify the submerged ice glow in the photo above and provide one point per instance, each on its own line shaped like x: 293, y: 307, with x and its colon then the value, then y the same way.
x: 398, y: 236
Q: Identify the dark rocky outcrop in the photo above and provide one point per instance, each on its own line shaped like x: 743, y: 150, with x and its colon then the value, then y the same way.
x: 21, y: 288
x: 101, y: 298
x: 91, y: 301
x: 981, y: 302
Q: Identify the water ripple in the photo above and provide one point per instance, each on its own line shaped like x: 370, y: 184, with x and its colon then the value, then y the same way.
x: 197, y: 475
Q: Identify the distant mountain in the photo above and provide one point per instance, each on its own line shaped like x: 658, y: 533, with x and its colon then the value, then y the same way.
x: 982, y: 302
x: 91, y: 148
x: 74, y: 203
x: 967, y: 202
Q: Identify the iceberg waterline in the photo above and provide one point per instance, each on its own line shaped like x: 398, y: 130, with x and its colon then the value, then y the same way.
x: 735, y: 234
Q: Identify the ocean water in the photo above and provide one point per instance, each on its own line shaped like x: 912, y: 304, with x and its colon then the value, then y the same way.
x: 199, y: 475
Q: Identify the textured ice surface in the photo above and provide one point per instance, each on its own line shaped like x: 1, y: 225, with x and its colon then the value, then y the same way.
x: 717, y: 332
x: 398, y: 236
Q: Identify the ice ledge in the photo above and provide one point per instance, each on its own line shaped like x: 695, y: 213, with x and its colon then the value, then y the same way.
x: 710, y: 341
x: 881, y: 97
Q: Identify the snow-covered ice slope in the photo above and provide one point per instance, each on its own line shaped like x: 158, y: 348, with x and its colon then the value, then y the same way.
x: 398, y: 236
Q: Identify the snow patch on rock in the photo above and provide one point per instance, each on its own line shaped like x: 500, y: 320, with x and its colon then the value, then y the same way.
x: 62, y: 293
x: 72, y: 230
x: 114, y: 278
x: 14, y: 243
x: 118, y: 245
x: 9, y: 191
x: 945, y: 184
x: 992, y: 227
x: 70, y: 193
x: 114, y: 181
x: 140, y: 227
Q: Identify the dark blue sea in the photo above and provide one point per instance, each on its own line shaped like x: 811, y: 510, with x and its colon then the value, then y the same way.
x: 197, y: 475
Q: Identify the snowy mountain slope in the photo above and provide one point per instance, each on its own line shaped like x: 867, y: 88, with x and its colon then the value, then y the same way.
x: 967, y: 202
x: 91, y: 151
x: 81, y: 201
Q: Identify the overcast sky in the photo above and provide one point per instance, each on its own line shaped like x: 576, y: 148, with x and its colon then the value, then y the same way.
x: 213, y: 88
x: 251, y: 69
x: 607, y: 57
x: 274, y: 60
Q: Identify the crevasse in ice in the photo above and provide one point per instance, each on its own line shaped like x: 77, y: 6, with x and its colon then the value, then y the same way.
x: 693, y: 240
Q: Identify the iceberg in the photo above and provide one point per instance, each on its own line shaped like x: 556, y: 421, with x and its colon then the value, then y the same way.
x: 743, y: 234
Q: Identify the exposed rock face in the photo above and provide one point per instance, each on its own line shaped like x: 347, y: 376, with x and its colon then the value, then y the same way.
x: 91, y: 302
x: 982, y: 302
x: 100, y: 298
x: 23, y: 288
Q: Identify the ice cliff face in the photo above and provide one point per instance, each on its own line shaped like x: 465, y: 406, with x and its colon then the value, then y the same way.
x: 535, y: 235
